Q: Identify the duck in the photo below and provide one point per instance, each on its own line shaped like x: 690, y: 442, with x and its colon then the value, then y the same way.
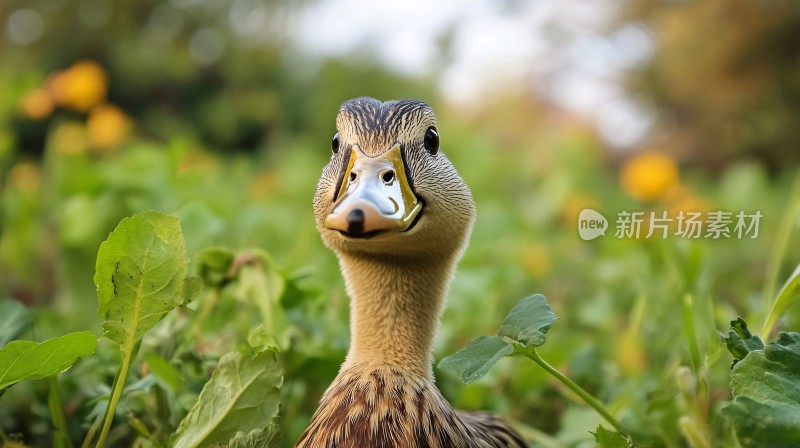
x: 398, y: 216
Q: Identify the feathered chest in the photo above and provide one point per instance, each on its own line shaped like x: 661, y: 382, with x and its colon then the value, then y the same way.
x: 383, y: 408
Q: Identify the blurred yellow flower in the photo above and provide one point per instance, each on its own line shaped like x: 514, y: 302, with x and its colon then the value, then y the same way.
x: 630, y: 353
x: 683, y: 199
x: 572, y: 206
x: 536, y: 260
x: 25, y: 177
x: 108, y: 127
x: 648, y: 176
x: 81, y: 86
x: 69, y: 138
x: 37, y: 105
x: 264, y: 184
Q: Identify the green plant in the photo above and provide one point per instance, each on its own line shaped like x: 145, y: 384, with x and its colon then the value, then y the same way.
x: 28, y: 360
x: 765, y: 381
x: 522, y: 331
x: 141, y: 277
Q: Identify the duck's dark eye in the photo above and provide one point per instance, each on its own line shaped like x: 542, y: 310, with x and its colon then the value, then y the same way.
x: 432, y: 140
x: 335, y: 143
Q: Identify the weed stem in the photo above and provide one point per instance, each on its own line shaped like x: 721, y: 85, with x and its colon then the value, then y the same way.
x: 116, y: 391
x: 586, y: 396
x: 92, y: 430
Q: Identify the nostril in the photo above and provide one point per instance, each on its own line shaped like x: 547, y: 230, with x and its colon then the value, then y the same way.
x: 387, y: 176
x: 355, y: 221
x: 353, y: 176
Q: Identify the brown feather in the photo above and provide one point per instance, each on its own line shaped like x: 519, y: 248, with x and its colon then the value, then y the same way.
x: 388, y: 408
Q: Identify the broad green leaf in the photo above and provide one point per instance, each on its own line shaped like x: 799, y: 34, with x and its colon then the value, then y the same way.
x: 765, y: 410
x: 610, y: 439
x: 528, y: 322
x: 242, y: 396
x: 140, y: 276
x: 28, y: 360
x: 258, y: 438
x: 473, y: 361
x: 740, y: 341
x: 191, y: 288
x: 14, y: 320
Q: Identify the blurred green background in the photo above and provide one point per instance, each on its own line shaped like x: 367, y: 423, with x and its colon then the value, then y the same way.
x: 221, y: 112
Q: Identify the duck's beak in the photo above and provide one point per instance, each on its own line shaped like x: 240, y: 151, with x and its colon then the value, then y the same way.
x: 375, y: 196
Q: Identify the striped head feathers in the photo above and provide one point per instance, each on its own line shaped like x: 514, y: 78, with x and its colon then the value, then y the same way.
x: 389, y: 189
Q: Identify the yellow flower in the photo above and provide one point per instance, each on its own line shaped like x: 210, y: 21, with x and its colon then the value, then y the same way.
x: 37, y: 105
x: 572, y: 206
x: 536, y: 260
x: 630, y: 353
x: 264, y: 184
x: 81, y: 86
x: 25, y: 177
x: 69, y: 138
x: 108, y: 127
x: 648, y: 176
x: 681, y: 198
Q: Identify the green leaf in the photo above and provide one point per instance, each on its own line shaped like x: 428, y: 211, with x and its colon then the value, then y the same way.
x: 242, y: 396
x: 528, y: 322
x: 258, y: 279
x: 610, y: 439
x: 258, y: 438
x: 15, y: 319
x: 192, y: 286
x: 740, y: 341
x: 214, y: 265
x: 140, y: 276
x: 167, y: 375
x: 473, y: 361
x: 28, y: 360
x: 765, y: 410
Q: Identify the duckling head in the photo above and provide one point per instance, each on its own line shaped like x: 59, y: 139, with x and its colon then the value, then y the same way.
x: 388, y: 189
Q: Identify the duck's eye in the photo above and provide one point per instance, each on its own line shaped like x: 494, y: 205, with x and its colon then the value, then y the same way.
x: 432, y: 140
x: 335, y: 143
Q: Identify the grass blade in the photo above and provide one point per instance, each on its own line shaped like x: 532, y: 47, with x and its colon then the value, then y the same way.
x: 786, y: 297
x: 61, y: 436
x: 782, y: 301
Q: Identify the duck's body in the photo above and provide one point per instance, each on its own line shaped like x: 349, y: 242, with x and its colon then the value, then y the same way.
x: 398, y: 216
x: 387, y: 407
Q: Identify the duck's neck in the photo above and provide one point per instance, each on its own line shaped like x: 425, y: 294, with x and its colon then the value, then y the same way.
x: 394, y: 310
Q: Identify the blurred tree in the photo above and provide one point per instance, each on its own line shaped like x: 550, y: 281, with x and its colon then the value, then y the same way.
x: 223, y: 73
x: 725, y: 78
